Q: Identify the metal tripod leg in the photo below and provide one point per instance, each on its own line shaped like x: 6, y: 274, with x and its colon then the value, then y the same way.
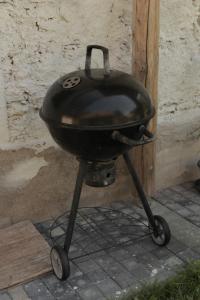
x: 75, y: 204
x: 140, y: 191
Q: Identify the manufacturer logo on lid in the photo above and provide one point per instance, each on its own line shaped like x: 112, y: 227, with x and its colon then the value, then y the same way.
x: 71, y: 82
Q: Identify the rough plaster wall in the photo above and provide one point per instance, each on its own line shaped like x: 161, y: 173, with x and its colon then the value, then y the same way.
x: 42, y: 40
x: 179, y: 92
x: 179, y: 56
x: 44, y: 187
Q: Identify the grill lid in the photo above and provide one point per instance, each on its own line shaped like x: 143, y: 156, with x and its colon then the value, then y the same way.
x: 97, y: 99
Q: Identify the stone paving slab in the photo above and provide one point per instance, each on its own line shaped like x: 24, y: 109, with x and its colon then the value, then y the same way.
x: 18, y: 292
x: 111, y: 272
x: 5, y: 296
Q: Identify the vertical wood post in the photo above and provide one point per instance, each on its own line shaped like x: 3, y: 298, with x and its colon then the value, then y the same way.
x: 145, y: 67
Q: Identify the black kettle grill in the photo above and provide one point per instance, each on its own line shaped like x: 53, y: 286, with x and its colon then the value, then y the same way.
x: 97, y: 115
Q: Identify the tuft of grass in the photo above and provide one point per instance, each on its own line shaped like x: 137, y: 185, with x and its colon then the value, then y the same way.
x: 185, y: 285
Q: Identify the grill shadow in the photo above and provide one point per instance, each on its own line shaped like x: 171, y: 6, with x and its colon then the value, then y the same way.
x: 98, y: 229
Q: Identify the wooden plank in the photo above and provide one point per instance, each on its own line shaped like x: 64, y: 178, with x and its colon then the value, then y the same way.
x: 24, y: 254
x: 145, y: 68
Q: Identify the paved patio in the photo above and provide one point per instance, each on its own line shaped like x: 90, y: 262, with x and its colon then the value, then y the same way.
x: 112, y: 271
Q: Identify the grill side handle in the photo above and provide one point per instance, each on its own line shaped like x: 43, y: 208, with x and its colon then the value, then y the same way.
x: 150, y: 137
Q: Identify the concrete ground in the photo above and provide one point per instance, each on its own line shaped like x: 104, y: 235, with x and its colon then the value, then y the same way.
x: 113, y: 271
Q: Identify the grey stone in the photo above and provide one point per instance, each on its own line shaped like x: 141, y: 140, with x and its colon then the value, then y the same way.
x: 5, y: 296
x: 148, y: 260
x: 147, y: 244
x: 194, y: 218
x: 98, y: 254
x: 72, y: 295
x: 79, y: 282
x: 195, y: 208
x: 162, y: 252
x: 126, y: 280
x: 91, y: 293
x: 142, y: 272
x: 158, y: 195
x: 167, y: 192
x: 56, y: 287
x: 183, y: 229
x: 98, y: 276
x: 59, y: 291
x: 188, y: 255
x: 195, y: 199
x: 78, y: 233
x: 188, y: 185
x: 128, y: 210
x: 124, y: 239
x: 80, y: 259
x: 162, y: 198
x: 119, y: 254
x: 177, y: 197
x: 105, y: 261
x: 179, y: 188
x: 192, y: 195
x: 135, y: 249
x: 175, y: 245
x: 186, y: 203
x: 69, y: 296
x: 58, y: 231
x: 196, y: 249
x: 108, y: 287
x: 110, y: 265
x: 118, y: 205
x: 37, y: 290
x: 76, y: 250
x: 129, y: 264
x: 162, y: 275
x: 172, y: 263
x: 75, y: 270
x: 88, y: 266
x: 174, y: 206
x: 49, y: 279
x: 161, y: 209
x: 96, y: 244
x: 140, y: 211
x: 184, y: 212
x: 103, y: 273
x: 45, y: 226
x: 18, y: 293
x: 115, y: 269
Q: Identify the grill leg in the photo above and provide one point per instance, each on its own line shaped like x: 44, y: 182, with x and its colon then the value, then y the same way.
x: 75, y: 204
x: 140, y: 191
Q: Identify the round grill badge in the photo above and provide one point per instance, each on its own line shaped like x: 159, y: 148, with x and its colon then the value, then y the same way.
x: 71, y: 82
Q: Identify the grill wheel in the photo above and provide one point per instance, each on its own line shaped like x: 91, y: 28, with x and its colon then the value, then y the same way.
x: 60, y: 262
x: 164, y: 235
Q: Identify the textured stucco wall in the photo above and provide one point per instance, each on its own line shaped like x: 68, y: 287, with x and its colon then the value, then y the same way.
x: 179, y: 92
x: 41, y: 40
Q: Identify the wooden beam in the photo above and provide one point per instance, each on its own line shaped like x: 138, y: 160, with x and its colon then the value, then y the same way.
x: 145, y: 67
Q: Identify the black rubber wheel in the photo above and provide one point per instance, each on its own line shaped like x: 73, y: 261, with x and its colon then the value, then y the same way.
x: 164, y: 234
x: 60, y: 262
x: 198, y: 164
x: 197, y: 185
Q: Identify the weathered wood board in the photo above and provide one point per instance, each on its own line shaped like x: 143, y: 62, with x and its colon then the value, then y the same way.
x: 24, y: 254
x: 146, y: 30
